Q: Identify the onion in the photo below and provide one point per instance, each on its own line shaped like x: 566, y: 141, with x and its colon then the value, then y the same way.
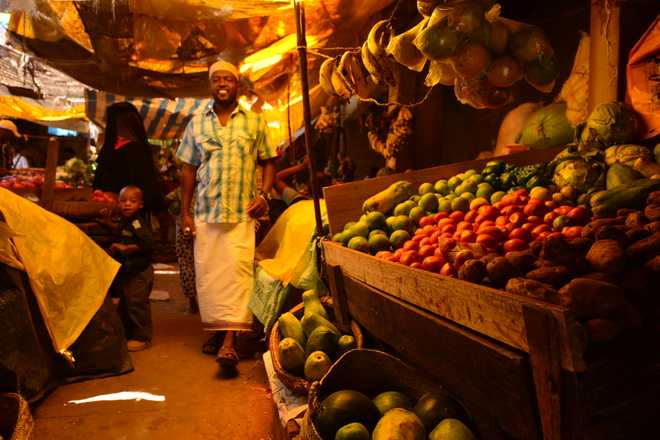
x: 504, y: 72
x: 499, y: 38
x: 471, y: 60
x: 530, y: 44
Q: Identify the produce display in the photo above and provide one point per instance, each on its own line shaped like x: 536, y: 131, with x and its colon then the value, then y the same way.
x: 582, y: 230
x: 25, y: 180
x: 467, y: 45
x: 76, y: 173
x: 391, y: 415
x: 309, y: 346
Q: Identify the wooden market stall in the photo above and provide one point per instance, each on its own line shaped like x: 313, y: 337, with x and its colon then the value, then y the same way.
x: 519, y: 365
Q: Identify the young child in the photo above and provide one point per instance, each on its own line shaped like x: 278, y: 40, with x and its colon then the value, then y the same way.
x: 135, y: 279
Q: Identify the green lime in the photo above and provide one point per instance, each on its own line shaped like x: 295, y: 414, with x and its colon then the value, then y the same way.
x: 398, y: 238
x: 359, y: 229
x: 402, y: 222
x: 359, y: 244
x: 469, y: 187
x: 429, y: 203
x: 540, y: 193
x: 468, y: 196
x: 441, y: 187
x: 375, y: 220
x: 484, y: 190
x: 348, y: 225
x: 475, y: 179
x: 389, y: 221
x: 497, y: 196
x: 376, y: 232
x: 416, y: 214
x: 453, y: 182
x: 379, y: 242
x: 477, y: 202
x: 471, y: 172
x: 445, y: 206
x: 404, y: 208
x: 425, y: 188
x: 460, y: 204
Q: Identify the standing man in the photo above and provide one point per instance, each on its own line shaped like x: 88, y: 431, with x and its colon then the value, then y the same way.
x: 220, y: 150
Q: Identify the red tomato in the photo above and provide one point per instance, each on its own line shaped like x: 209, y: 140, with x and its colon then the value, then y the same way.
x: 434, y: 237
x: 428, y: 220
x: 384, y: 254
x: 432, y: 263
x: 446, y: 235
x: 520, y: 234
x: 439, y: 216
x: 522, y: 192
x: 418, y: 238
x: 572, y: 232
x: 579, y: 215
x: 534, y: 209
x: 419, y: 232
x: 508, y: 210
x: 428, y: 229
x: 468, y: 237
x: 410, y: 245
x: 501, y: 220
x: 486, y: 223
x: 457, y: 235
x: 516, y: 219
x: 514, y: 244
x: 398, y: 252
x: 493, y: 231
x: 497, y: 205
x: 543, y: 235
x: 536, y: 232
x: 553, y: 234
x: 446, y: 221
x: 550, y: 217
x: 534, y: 219
x: 470, y: 216
x: 523, y: 200
x: 462, y: 257
x: 457, y: 216
x: 416, y: 265
x: 464, y: 226
x: 562, y: 210
x: 393, y: 259
x: 409, y: 257
x: 509, y: 200
x: 448, y: 228
x: 427, y: 250
x: 487, y: 241
x: 427, y: 241
x: 97, y: 192
x: 550, y: 204
x: 529, y: 227
x: 446, y: 244
x: 448, y: 270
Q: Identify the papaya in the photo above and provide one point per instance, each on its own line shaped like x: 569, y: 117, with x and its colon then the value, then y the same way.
x: 399, y: 424
x: 316, y: 365
x: 432, y: 408
x: 345, y: 343
x: 343, y: 407
x: 322, y: 339
x: 292, y: 355
x: 290, y: 327
x: 390, y: 400
x: 313, y: 320
x: 386, y: 200
x: 451, y: 429
x: 312, y: 304
x: 353, y: 431
x: 618, y: 175
x: 631, y: 195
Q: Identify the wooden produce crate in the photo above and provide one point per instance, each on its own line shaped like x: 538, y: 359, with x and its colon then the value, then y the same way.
x: 518, y: 364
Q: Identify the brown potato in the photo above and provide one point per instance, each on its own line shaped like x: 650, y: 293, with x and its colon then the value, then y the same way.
x: 500, y: 270
x: 623, y: 212
x: 645, y: 248
x: 602, y: 330
x: 606, y: 256
x: 582, y: 244
x: 559, y: 251
x: 653, y: 227
x: 600, y: 276
x: 592, y: 227
x: 653, y: 198
x: 635, y: 220
x: 613, y: 232
x: 636, y: 234
x: 532, y: 289
x: 629, y: 317
x: 653, y: 264
x: 473, y: 271
x: 589, y: 298
x: 553, y: 275
x: 652, y: 212
x: 521, y: 260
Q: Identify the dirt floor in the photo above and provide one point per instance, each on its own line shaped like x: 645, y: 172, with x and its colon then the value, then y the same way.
x: 200, y: 402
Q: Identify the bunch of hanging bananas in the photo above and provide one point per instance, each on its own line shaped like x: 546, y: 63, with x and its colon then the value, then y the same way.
x: 327, y: 121
x: 391, y: 132
x: 360, y: 71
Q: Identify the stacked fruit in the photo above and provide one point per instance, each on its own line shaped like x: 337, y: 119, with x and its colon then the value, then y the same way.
x: 308, y: 346
x: 349, y: 414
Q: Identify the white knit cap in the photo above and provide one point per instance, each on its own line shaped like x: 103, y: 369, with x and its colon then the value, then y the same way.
x: 8, y: 125
x: 224, y: 66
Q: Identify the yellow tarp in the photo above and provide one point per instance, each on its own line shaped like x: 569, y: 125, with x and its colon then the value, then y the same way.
x: 15, y: 107
x: 287, y: 242
x: 69, y: 274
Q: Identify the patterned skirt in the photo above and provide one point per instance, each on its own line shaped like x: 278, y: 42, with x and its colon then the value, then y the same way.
x: 185, y: 258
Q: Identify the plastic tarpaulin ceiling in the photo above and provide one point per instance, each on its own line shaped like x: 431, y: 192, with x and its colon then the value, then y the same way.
x: 161, y: 48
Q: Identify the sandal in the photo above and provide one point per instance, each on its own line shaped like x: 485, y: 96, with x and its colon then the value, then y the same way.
x: 212, y: 345
x: 227, y: 357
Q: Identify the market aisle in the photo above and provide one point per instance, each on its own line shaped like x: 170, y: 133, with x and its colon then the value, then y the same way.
x: 199, y: 403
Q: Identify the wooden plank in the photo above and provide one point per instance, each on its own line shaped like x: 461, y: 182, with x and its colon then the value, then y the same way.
x: 340, y: 304
x: 490, y: 312
x: 492, y: 381
x: 48, y: 188
x: 344, y: 202
x: 544, y: 357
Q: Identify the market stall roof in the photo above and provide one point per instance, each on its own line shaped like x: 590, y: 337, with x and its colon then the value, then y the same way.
x: 162, y: 48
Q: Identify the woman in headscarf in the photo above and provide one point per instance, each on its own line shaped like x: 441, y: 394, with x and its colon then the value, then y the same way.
x: 126, y: 158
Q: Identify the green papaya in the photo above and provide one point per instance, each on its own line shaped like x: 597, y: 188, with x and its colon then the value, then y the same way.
x: 451, y: 429
x: 398, y: 424
x: 313, y: 320
x: 345, y: 343
x: 432, y: 408
x: 322, y: 339
x: 312, y: 304
x: 392, y: 399
x: 386, y: 200
x: 631, y: 195
x: 618, y: 175
x: 292, y: 356
x: 290, y: 327
x: 353, y: 431
x: 343, y: 407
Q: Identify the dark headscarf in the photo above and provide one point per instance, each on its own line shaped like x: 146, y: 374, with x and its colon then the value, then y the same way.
x: 131, y: 164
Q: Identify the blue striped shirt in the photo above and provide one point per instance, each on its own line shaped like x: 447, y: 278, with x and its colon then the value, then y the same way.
x: 226, y: 159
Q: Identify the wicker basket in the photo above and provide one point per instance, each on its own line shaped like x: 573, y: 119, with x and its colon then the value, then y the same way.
x: 300, y: 385
x: 16, y: 422
x: 367, y: 371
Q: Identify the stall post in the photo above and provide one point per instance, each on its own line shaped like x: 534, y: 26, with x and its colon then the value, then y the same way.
x: 48, y: 189
x: 302, y: 56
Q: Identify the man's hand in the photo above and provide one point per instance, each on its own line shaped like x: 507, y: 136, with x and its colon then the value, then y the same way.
x: 188, y: 225
x: 258, y: 207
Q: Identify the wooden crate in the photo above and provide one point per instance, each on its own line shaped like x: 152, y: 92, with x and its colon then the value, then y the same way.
x: 517, y: 362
